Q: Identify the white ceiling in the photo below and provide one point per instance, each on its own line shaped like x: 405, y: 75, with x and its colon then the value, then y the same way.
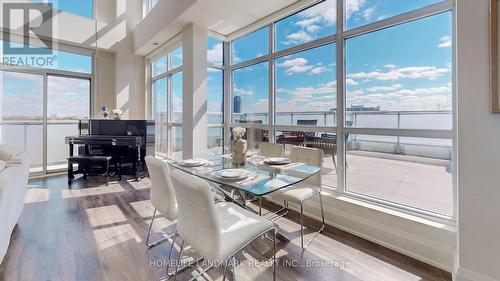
x: 224, y: 17
x: 228, y: 16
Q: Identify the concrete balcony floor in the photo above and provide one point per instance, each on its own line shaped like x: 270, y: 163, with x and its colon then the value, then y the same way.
x: 417, y: 182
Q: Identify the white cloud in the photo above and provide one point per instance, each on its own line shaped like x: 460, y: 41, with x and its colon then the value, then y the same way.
x: 242, y: 91
x: 412, y: 72
x: 293, y: 62
x: 444, y: 90
x: 327, y: 11
x: 351, y: 82
x: 405, y: 99
x: 298, y: 37
x: 353, y: 6
x: 313, y: 28
x: 369, y: 12
x: 307, y: 92
x: 444, y: 42
x: 297, y: 65
x: 301, y: 65
x: 318, y: 70
x: 385, y: 88
x: 214, y: 55
x: 308, y: 21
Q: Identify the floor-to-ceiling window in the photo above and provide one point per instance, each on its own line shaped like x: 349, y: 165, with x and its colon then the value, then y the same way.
x: 371, y: 86
x: 166, y: 89
x: 41, y: 104
x: 215, y: 95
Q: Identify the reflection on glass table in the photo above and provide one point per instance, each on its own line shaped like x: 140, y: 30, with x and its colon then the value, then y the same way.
x: 257, y: 179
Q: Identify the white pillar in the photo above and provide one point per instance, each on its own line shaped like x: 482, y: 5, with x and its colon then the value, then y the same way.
x: 129, y: 68
x: 194, y: 105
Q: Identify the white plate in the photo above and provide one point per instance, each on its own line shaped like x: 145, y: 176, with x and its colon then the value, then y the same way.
x: 231, y: 174
x: 192, y: 163
x: 277, y: 161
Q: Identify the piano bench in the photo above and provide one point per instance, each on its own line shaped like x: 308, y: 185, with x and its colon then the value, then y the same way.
x: 85, y: 160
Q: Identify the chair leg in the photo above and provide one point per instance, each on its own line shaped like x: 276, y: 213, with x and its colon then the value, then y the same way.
x: 322, y: 222
x: 260, y: 206
x: 120, y: 170
x: 274, y: 254
x: 107, y: 173
x: 334, y: 162
x: 234, y: 268
x: 158, y: 242
x: 321, y: 206
x: 302, y: 224
x: 178, y: 261
x: 170, y: 253
x: 225, y: 271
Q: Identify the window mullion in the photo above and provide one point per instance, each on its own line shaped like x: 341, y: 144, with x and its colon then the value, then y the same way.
x: 271, y: 97
x: 340, y: 64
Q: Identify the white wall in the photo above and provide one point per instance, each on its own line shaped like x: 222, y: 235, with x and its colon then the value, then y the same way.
x: 129, y: 68
x: 478, y: 150
x: 104, y: 83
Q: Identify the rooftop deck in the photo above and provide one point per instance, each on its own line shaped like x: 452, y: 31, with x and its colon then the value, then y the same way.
x: 417, y: 182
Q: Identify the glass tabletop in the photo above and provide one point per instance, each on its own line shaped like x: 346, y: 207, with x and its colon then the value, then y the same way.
x: 255, y: 177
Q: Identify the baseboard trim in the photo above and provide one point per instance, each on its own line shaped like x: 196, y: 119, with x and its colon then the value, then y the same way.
x: 463, y: 274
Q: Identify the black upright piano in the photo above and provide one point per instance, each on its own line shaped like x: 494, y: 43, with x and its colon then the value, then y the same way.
x: 126, y: 141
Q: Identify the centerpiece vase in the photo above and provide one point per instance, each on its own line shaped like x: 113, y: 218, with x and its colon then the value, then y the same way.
x: 239, y: 151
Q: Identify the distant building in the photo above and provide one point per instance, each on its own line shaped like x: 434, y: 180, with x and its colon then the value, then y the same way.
x: 363, y: 108
x: 360, y: 108
x: 237, y: 104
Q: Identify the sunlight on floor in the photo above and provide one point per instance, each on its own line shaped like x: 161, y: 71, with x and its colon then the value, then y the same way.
x: 144, y: 183
x: 74, y: 193
x: 162, y: 225
x: 36, y: 195
x: 143, y: 208
x: 115, y: 235
x: 105, y: 215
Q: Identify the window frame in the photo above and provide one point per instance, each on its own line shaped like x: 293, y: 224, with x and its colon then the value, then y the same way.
x: 169, y: 124
x: 45, y: 73
x: 339, y: 38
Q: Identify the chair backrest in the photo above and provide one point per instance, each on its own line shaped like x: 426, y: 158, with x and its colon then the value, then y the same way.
x: 162, y: 193
x: 309, y: 156
x: 197, y: 223
x: 268, y: 149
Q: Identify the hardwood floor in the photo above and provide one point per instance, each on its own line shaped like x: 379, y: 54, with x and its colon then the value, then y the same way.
x: 94, y: 232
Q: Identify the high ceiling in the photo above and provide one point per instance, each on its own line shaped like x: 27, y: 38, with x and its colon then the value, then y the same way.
x: 224, y: 17
x: 229, y: 16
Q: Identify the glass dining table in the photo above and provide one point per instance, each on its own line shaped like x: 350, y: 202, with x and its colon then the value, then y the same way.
x: 256, y: 178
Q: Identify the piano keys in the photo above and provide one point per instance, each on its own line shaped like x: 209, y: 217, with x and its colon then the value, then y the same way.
x: 126, y: 141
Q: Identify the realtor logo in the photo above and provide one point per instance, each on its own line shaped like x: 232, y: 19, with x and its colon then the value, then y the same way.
x: 35, y: 17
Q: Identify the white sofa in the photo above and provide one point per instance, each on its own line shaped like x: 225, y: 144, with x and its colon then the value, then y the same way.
x: 13, y: 184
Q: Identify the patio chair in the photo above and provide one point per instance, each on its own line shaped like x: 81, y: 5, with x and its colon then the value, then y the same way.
x: 327, y: 143
x: 297, y: 138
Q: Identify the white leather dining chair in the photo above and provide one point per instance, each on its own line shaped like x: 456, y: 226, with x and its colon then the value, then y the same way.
x: 269, y: 149
x: 162, y: 194
x: 216, y: 231
x: 301, y: 192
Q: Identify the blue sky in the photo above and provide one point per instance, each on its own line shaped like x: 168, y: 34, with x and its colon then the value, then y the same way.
x: 407, y: 67
x: 83, y: 8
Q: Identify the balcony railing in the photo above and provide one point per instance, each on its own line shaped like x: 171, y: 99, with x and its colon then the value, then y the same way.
x: 29, y: 135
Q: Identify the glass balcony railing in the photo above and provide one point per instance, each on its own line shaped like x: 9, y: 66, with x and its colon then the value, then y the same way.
x: 29, y: 136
